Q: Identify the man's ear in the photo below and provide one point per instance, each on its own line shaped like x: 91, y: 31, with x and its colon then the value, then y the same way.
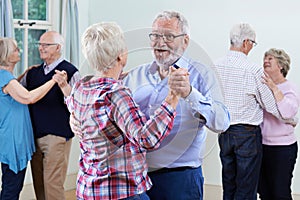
x: 186, y: 40
x: 58, y: 47
x: 244, y: 43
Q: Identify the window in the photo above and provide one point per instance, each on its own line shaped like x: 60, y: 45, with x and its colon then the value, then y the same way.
x: 31, y: 19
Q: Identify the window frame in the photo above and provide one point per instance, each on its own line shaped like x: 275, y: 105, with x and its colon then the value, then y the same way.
x: 39, y: 25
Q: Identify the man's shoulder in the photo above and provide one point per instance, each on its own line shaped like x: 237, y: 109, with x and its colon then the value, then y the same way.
x: 237, y: 62
x: 254, y: 68
x: 197, y: 67
x: 220, y: 60
x: 139, y: 68
x: 139, y: 74
x: 67, y: 63
x: 67, y: 66
x: 35, y: 68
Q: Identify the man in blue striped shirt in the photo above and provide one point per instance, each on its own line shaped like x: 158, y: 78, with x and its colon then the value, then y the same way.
x: 175, y: 167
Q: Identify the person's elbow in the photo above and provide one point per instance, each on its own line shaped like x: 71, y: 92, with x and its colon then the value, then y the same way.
x: 28, y: 99
x: 220, y: 123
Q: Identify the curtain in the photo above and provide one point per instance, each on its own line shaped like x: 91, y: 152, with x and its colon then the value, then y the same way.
x: 6, y: 19
x: 70, y: 30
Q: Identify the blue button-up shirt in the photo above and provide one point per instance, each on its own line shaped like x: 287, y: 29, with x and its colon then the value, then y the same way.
x: 202, y: 108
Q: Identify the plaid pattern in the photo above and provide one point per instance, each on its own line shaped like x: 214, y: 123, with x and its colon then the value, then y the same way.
x: 245, y: 94
x: 116, y: 136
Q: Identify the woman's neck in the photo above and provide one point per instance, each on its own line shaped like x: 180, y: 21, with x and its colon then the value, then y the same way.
x: 278, y: 79
x: 9, y: 68
x: 113, y: 72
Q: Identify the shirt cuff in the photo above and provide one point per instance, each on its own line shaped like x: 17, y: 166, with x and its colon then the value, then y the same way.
x: 169, y: 108
x: 200, y: 105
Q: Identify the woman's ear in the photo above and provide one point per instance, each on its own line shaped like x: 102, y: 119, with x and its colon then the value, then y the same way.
x: 122, y: 58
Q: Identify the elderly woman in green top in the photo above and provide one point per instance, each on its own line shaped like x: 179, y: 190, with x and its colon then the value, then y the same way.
x: 16, y: 135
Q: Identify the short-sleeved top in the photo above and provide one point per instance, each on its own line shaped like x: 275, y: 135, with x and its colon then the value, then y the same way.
x: 16, y: 135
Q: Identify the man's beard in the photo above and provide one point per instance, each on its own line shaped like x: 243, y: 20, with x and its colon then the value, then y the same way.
x: 170, y: 59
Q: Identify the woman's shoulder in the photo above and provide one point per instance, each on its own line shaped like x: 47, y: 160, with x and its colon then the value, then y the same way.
x: 290, y: 86
x: 5, y: 77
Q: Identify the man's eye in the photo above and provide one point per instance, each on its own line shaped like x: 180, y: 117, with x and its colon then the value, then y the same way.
x: 169, y: 37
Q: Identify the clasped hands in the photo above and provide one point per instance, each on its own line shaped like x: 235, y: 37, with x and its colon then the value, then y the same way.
x: 61, y: 78
x: 179, y: 82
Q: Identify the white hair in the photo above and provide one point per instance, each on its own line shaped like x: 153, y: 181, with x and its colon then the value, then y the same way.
x: 183, y: 23
x: 241, y: 32
x: 102, y: 43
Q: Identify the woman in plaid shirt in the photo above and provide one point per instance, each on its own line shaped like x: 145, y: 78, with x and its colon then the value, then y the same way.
x: 115, y: 133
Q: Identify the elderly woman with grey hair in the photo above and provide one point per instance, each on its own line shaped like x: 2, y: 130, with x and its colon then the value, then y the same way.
x: 16, y: 134
x: 115, y: 134
x: 279, y: 140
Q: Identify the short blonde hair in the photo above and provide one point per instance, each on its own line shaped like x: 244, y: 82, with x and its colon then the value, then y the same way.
x: 7, y: 47
x: 102, y: 43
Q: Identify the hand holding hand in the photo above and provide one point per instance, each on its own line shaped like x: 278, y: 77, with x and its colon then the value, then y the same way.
x: 179, y: 82
x: 75, y: 126
x: 61, y: 78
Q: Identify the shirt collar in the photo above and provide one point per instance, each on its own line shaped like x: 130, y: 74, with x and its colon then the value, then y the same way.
x: 49, y: 68
x: 182, y: 62
x: 236, y: 53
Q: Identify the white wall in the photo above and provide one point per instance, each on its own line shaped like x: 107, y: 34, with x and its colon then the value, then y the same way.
x: 275, y: 23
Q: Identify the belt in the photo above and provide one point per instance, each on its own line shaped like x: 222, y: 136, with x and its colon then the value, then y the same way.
x: 246, y: 125
x: 166, y: 170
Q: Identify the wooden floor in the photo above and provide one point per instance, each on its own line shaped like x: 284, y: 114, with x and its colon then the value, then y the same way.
x: 70, y: 195
x: 210, y: 194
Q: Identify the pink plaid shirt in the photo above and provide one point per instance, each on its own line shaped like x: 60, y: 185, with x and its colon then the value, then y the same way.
x: 116, y: 135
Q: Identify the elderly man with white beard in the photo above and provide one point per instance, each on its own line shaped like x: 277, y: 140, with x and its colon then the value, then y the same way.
x: 175, y: 168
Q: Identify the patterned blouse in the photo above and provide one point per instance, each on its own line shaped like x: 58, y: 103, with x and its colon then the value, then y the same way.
x: 116, y: 135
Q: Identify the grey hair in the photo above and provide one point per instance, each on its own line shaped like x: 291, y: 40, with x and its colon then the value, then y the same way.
x: 241, y: 32
x: 7, y: 47
x: 282, y: 58
x: 183, y: 23
x: 59, y: 39
x: 102, y: 43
